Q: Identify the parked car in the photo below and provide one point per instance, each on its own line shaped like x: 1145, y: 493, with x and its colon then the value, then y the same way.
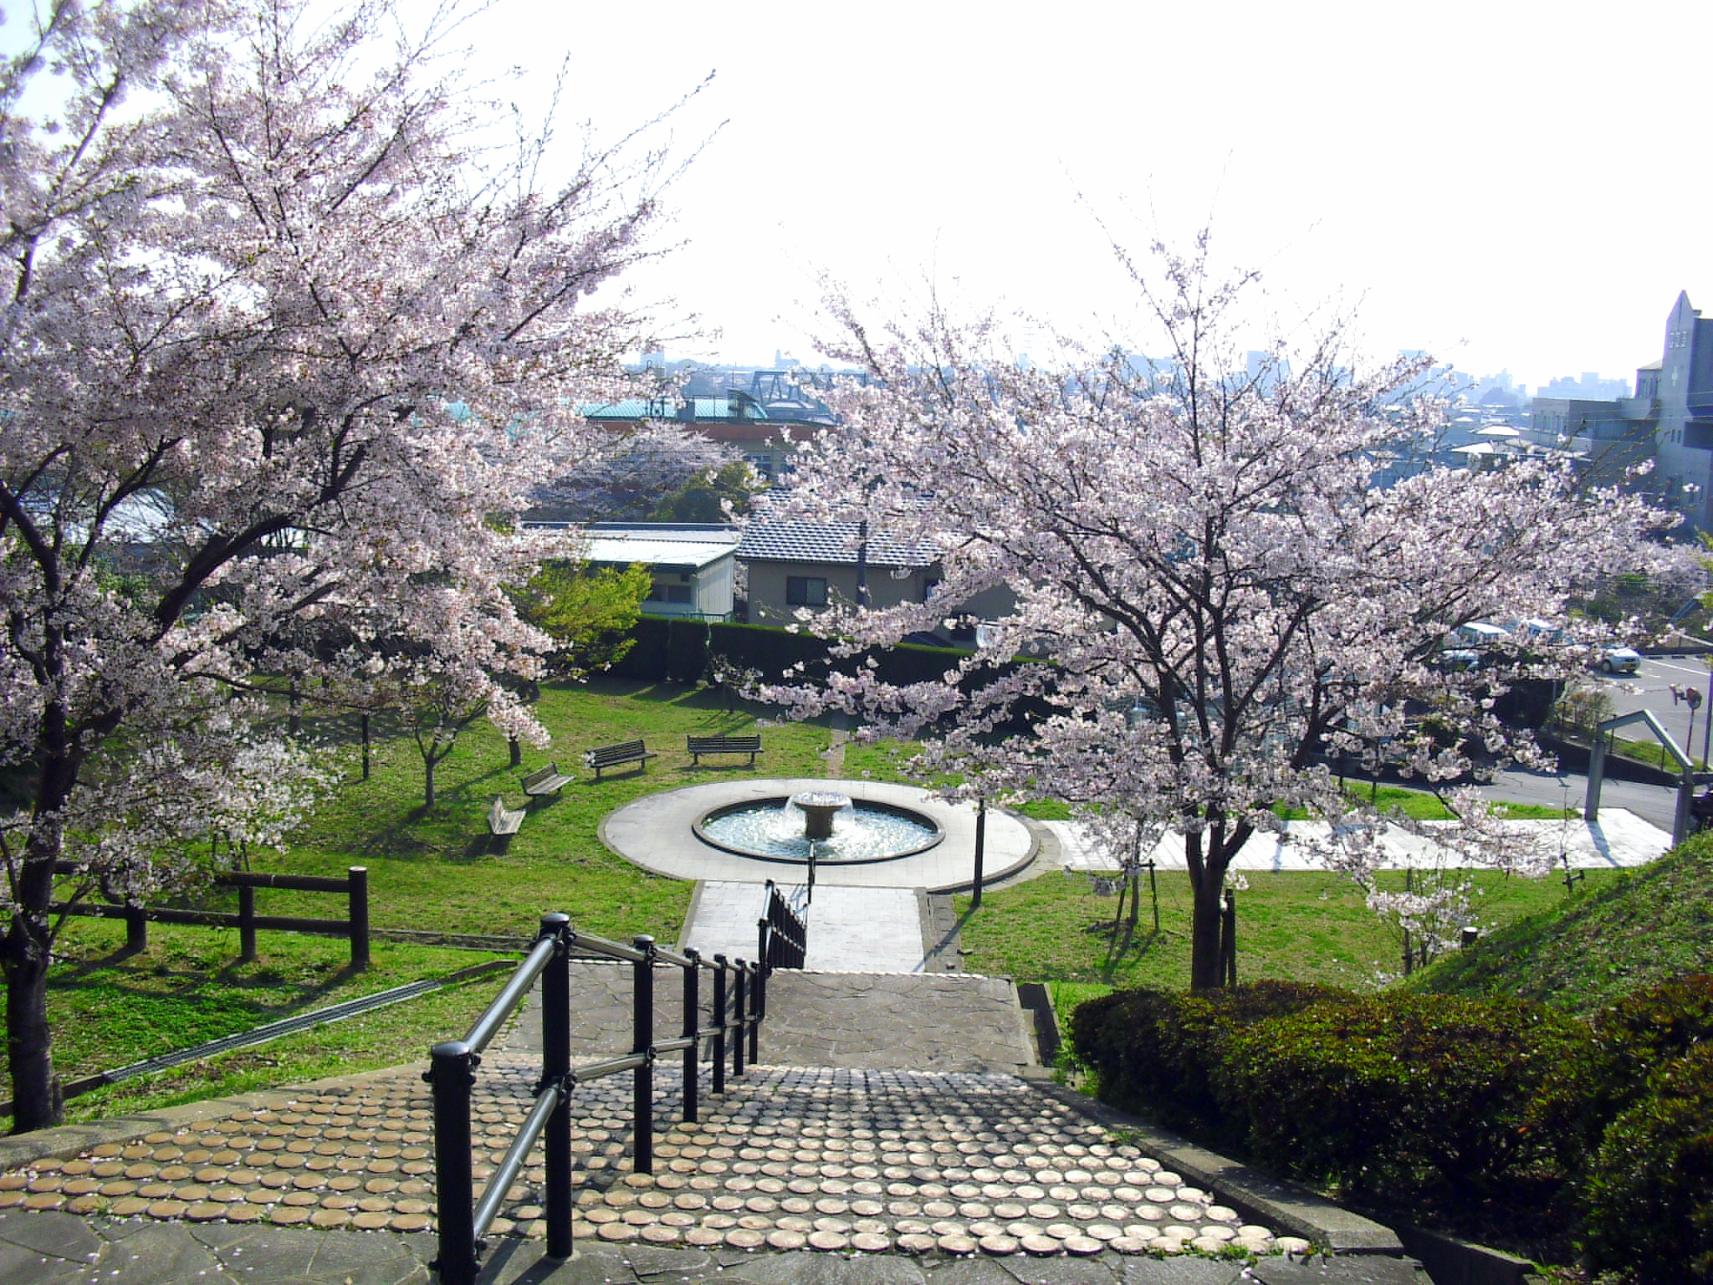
x: 1478, y: 634
x: 1620, y: 660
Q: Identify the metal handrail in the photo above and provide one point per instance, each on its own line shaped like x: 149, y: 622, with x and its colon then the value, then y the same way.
x: 464, y: 1221
x: 546, y: 1102
x: 517, y: 986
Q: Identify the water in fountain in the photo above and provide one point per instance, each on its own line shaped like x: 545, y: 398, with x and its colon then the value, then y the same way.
x: 860, y: 831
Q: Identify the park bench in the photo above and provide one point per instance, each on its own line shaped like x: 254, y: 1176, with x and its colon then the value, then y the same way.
x: 547, y: 780
x: 503, y: 820
x: 605, y: 756
x: 700, y: 745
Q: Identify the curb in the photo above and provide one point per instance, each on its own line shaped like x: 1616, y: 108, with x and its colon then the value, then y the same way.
x: 1276, y: 1202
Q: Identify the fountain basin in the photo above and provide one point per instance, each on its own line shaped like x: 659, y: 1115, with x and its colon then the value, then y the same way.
x: 858, y: 832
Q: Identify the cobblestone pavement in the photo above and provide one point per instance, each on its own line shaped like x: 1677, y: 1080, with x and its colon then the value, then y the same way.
x: 59, y: 1249
x: 831, y: 1160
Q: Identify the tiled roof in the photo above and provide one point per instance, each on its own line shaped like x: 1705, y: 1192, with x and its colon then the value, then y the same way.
x: 795, y: 541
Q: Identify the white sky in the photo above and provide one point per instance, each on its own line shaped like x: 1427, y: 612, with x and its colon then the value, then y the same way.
x: 1506, y: 184
x: 1509, y: 185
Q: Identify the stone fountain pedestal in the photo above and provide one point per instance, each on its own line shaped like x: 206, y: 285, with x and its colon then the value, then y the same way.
x: 819, y: 807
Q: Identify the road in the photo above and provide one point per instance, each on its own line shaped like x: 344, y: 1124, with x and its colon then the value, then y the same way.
x: 1651, y: 690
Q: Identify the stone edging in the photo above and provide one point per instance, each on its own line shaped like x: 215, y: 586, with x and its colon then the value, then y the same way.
x: 1277, y: 1202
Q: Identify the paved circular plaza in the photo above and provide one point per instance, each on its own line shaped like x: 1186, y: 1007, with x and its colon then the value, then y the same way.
x: 655, y: 832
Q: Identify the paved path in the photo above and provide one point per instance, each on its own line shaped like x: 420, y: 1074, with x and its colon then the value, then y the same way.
x: 1618, y: 839
x: 60, y: 1249
x: 851, y: 929
x: 957, y: 1022
x: 867, y: 1160
x: 654, y: 832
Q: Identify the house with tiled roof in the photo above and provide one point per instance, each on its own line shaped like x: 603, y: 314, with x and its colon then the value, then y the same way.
x: 792, y: 564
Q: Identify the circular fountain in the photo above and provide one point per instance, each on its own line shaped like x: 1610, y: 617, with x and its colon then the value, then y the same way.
x: 831, y: 826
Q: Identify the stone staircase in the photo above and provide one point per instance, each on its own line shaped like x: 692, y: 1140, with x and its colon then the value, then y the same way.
x: 893, y: 1121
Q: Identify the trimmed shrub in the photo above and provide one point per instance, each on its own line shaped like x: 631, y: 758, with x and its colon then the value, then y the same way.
x: 1155, y: 1051
x: 1649, y: 1195
x: 1413, y: 1096
x: 686, y: 651
x: 646, y: 660
x: 1649, y: 1027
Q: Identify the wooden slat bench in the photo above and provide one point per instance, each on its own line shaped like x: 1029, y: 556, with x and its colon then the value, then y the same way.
x: 700, y: 745
x: 604, y: 756
x: 503, y: 820
x: 547, y: 780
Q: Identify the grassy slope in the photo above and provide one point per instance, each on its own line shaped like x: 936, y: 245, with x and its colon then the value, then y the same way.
x: 1624, y: 932
x: 440, y: 870
x: 109, y: 1010
x: 434, y: 870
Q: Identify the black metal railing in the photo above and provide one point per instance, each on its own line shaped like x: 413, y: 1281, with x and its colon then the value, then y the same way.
x: 782, y: 935
x: 465, y: 1219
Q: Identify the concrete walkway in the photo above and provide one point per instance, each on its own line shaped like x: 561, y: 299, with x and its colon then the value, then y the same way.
x: 851, y: 929
x: 655, y: 832
x: 1618, y: 839
x: 64, y: 1249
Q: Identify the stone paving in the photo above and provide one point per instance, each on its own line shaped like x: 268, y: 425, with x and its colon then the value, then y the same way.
x: 60, y: 1249
x: 937, y: 1161
x: 789, y: 1158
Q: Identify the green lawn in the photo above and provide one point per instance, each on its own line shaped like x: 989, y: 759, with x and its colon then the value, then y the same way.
x: 1308, y: 926
x: 108, y: 1010
x: 440, y: 870
x: 432, y: 870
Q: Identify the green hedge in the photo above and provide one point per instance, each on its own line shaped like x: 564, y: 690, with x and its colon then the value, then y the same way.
x: 670, y: 649
x: 1155, y: 1050
x: 1637, y: 1036
x: 1414, y: 1097
x: 1474, y: 1108
x: 1649, y: 1196
x: 676, y: 650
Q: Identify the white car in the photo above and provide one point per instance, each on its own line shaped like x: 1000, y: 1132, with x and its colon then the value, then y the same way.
x: 1620, y: 660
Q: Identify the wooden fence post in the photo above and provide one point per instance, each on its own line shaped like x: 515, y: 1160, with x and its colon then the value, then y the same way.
x: 359, y: 916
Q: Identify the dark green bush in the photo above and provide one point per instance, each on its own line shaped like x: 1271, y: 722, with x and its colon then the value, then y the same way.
x: 1649, y: 1194
x: 1649, y: 1027
x: 1413, y: 1096
x: 1155, y: 1051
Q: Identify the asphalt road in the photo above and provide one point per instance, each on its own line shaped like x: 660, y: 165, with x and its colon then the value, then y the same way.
x: 1650, y: 689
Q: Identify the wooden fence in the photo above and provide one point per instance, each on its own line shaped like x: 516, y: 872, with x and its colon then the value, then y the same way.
x: 354, y: 927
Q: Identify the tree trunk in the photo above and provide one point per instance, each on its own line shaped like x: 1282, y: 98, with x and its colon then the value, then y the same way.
x: 29, y: 1042
x: 428, y: 766
x: 1206, y: 970
x: 516, y: 751
x: 365, y: 747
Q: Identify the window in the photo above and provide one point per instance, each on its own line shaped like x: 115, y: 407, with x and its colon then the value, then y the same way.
x: 806, y: 591
x: 678, y: 593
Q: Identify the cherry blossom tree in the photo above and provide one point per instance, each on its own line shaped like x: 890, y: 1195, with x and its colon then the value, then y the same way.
x: 1225, y: 585
x: 286, y: 330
